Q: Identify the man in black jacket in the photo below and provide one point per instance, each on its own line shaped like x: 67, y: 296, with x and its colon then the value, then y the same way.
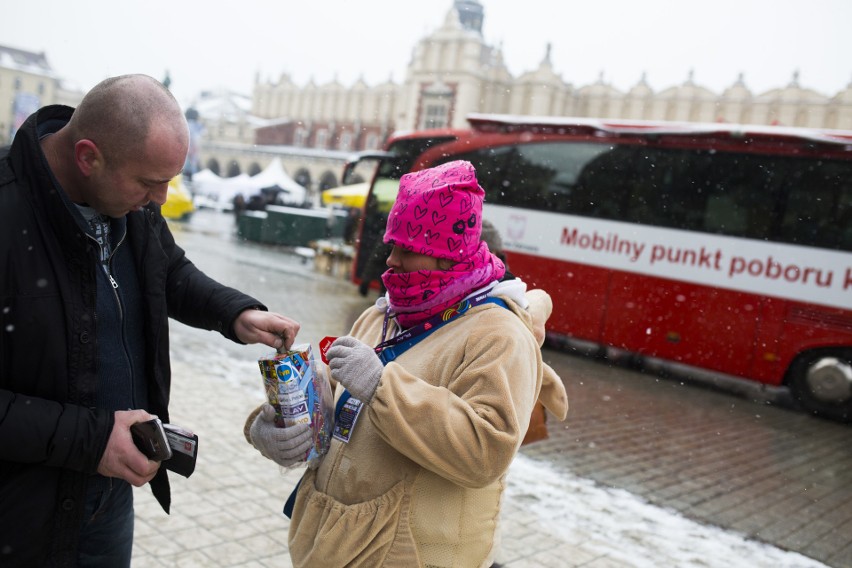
x: 89, y: 275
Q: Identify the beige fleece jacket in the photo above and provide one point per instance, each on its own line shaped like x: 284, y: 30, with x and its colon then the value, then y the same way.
x: 421, y: 479
x: 552, y: 395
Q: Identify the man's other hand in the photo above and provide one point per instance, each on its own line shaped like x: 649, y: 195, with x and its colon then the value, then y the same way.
x: 122, y: 458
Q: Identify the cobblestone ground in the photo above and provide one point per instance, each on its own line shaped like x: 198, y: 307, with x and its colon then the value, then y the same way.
x: 767, y: 473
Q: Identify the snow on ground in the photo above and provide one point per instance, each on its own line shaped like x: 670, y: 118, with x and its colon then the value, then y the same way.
x: 569, y: 509
x: 631, y: 530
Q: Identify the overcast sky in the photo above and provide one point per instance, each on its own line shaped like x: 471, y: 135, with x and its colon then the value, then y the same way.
x: 207, y: 44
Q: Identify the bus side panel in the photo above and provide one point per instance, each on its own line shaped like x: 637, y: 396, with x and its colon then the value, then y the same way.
x: 688, y: 323
x: 769, y: 362
x: 578, y: 293
x: 811, y: 326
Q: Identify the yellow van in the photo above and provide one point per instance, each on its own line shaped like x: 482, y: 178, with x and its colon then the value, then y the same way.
x: 178, y: 205
x: 353, y: 195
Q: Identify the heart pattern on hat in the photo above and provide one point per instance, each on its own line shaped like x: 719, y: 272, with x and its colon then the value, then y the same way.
x: 438, y: 212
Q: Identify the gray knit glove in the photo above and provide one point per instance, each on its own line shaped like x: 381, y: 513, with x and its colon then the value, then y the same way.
x: 356, y: 366
x: 285, y: 446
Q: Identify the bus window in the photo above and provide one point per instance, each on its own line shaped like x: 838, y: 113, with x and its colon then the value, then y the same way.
x: 819, y: 206
x: 736, y: 195
x: 546, y: 176
x: 740, y: 195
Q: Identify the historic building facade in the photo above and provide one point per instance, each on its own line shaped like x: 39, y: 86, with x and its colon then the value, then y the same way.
x: 453, y: 72
x: 27, y: 82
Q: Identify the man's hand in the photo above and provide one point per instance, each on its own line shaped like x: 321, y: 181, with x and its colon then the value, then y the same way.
x: 285, y: 446
x: 121, y: 457
x: 356, y: 366
x: 269, y: 328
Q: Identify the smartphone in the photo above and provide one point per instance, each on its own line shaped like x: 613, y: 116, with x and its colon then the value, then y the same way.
x: 150, y: 438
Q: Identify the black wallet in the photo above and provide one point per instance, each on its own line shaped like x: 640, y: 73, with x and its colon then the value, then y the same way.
x: 175, y: 447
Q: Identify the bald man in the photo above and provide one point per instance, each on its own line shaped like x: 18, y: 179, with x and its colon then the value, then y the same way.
x: 89, y: 274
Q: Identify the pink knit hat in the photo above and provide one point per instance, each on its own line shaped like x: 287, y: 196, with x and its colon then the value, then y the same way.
x: 438, y: 212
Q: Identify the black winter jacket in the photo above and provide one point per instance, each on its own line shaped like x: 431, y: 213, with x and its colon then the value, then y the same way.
x: 51, y: 435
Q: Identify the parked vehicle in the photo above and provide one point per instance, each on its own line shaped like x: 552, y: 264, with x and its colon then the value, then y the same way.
x: 713, y: 248
x: 178, y: 205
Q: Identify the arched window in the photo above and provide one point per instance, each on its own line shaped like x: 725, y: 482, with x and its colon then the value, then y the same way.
x: 303, y: 178
x: 234, y: 169
x: 327, y: 181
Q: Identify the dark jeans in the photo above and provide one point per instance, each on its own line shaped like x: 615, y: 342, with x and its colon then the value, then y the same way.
x: 106, y: 534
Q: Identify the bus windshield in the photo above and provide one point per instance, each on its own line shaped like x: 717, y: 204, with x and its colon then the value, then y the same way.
x: 382, y: 195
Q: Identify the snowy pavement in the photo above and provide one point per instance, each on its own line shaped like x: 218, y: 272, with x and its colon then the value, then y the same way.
x: 625, y: 529
x: 551, y: 518
x: 229, y: 513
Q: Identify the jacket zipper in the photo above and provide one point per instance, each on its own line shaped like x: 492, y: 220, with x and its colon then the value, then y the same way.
x: 114, y: 283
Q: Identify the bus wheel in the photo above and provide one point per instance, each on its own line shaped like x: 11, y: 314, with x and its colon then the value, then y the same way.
x: 821, y: 381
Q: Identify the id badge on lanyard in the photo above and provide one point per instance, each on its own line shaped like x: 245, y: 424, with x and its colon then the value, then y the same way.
x: 346, y: 418
x: 347, y: 408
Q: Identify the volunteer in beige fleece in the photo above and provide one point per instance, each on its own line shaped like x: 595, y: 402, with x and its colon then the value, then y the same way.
x: 416, y: 478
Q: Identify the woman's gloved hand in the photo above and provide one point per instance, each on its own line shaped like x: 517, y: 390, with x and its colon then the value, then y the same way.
x: 285, y: 446
x: 356, y: 366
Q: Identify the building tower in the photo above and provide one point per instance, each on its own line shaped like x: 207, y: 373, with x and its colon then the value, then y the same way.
x: 471, y: 14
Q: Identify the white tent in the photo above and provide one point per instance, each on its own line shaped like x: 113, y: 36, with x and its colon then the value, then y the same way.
x: 204, y: 175
x: 274, y: 175
x: 210, y: 190
x: 213, y: 191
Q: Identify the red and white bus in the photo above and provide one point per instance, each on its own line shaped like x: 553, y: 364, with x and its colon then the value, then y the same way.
x: 717, y: 248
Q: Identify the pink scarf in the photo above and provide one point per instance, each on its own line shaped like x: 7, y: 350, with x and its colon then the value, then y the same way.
x: 416, y: 296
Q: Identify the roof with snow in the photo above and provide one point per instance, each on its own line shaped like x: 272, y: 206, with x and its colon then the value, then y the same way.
x: 26, y: 61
